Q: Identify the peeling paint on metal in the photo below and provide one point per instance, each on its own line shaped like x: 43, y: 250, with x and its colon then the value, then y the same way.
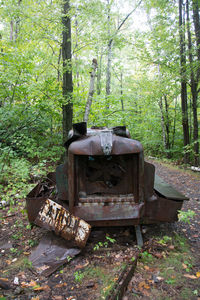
x: 53, y: 216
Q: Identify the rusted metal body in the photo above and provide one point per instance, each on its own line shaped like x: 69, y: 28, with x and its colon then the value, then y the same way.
x: 105, y: 182
x: 118, y: 187
x: 104, y: 178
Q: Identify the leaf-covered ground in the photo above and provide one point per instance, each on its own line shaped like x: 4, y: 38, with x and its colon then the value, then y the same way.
x: 168, y: 267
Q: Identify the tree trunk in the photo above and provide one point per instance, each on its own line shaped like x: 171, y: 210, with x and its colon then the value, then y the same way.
x: 1, y: 100
x: 167, y: 125
x: 121, y: 92
x: 194, y: 90
x: 11, y: 30
x: 99, y: 73
x: 58, y: 69
x: 17, y: 24
x: 108, y: 71
x: 195, y: 7
x: 91, y: 90
x: 109, y: 55
x: 164, y: 118
x: 67, y: 108
x: 174, y: 125
x: 183, y: 83
x: 109, y: 50
x: 76, y: 56
x: 163, y: 123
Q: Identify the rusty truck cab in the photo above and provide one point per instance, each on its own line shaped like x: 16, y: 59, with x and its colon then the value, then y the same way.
x: 105, y: 178
x: 110, y: 184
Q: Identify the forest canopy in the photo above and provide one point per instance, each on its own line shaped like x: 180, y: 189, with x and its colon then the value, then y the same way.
x: 146, y: 76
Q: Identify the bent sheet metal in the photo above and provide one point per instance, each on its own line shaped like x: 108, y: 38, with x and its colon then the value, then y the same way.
x: 51, y: 253
x: 53, y: 216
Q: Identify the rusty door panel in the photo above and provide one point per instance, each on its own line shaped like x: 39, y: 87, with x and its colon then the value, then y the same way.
x: 162, y: 210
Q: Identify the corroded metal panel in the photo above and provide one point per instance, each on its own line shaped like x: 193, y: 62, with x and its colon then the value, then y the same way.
x: 107, y: 200
x: 113, y: 212
x: 167, y: 191
x: 53, y: 216
x: 161, y: 209
x: 61, y: 182
x: 51, y: 253
x: 37, y: 196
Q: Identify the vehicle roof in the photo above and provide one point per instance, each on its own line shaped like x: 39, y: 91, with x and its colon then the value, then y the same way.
x: 91, y: 145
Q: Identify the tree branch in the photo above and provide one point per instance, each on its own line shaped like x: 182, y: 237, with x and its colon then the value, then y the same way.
x: 125, y: 19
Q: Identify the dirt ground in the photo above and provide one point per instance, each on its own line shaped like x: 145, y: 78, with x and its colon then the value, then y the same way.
x: 168, y: 266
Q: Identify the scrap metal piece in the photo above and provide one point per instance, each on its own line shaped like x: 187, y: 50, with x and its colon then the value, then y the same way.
x: 61, y: 182
x: 53, y: 216
x: 139, y: 235
x: 121, y: 131
x: 167, y: 190
x: 5, y: 244
x: 79, y: 130
x: 38, y: 195
x: 51, y: 253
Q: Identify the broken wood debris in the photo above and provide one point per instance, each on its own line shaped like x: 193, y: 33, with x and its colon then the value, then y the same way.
x: 122, y: 282
x: 196, y: 169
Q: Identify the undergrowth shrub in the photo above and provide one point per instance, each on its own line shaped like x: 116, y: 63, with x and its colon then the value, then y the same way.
x: 28, y: 149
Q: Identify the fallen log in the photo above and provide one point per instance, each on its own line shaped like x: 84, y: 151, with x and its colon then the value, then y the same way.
x: 121, y: 284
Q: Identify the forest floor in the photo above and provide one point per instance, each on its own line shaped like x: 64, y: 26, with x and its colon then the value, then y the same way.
x: 168, y: 266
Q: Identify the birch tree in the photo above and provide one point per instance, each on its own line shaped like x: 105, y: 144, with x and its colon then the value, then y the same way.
x: 91, y: 90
